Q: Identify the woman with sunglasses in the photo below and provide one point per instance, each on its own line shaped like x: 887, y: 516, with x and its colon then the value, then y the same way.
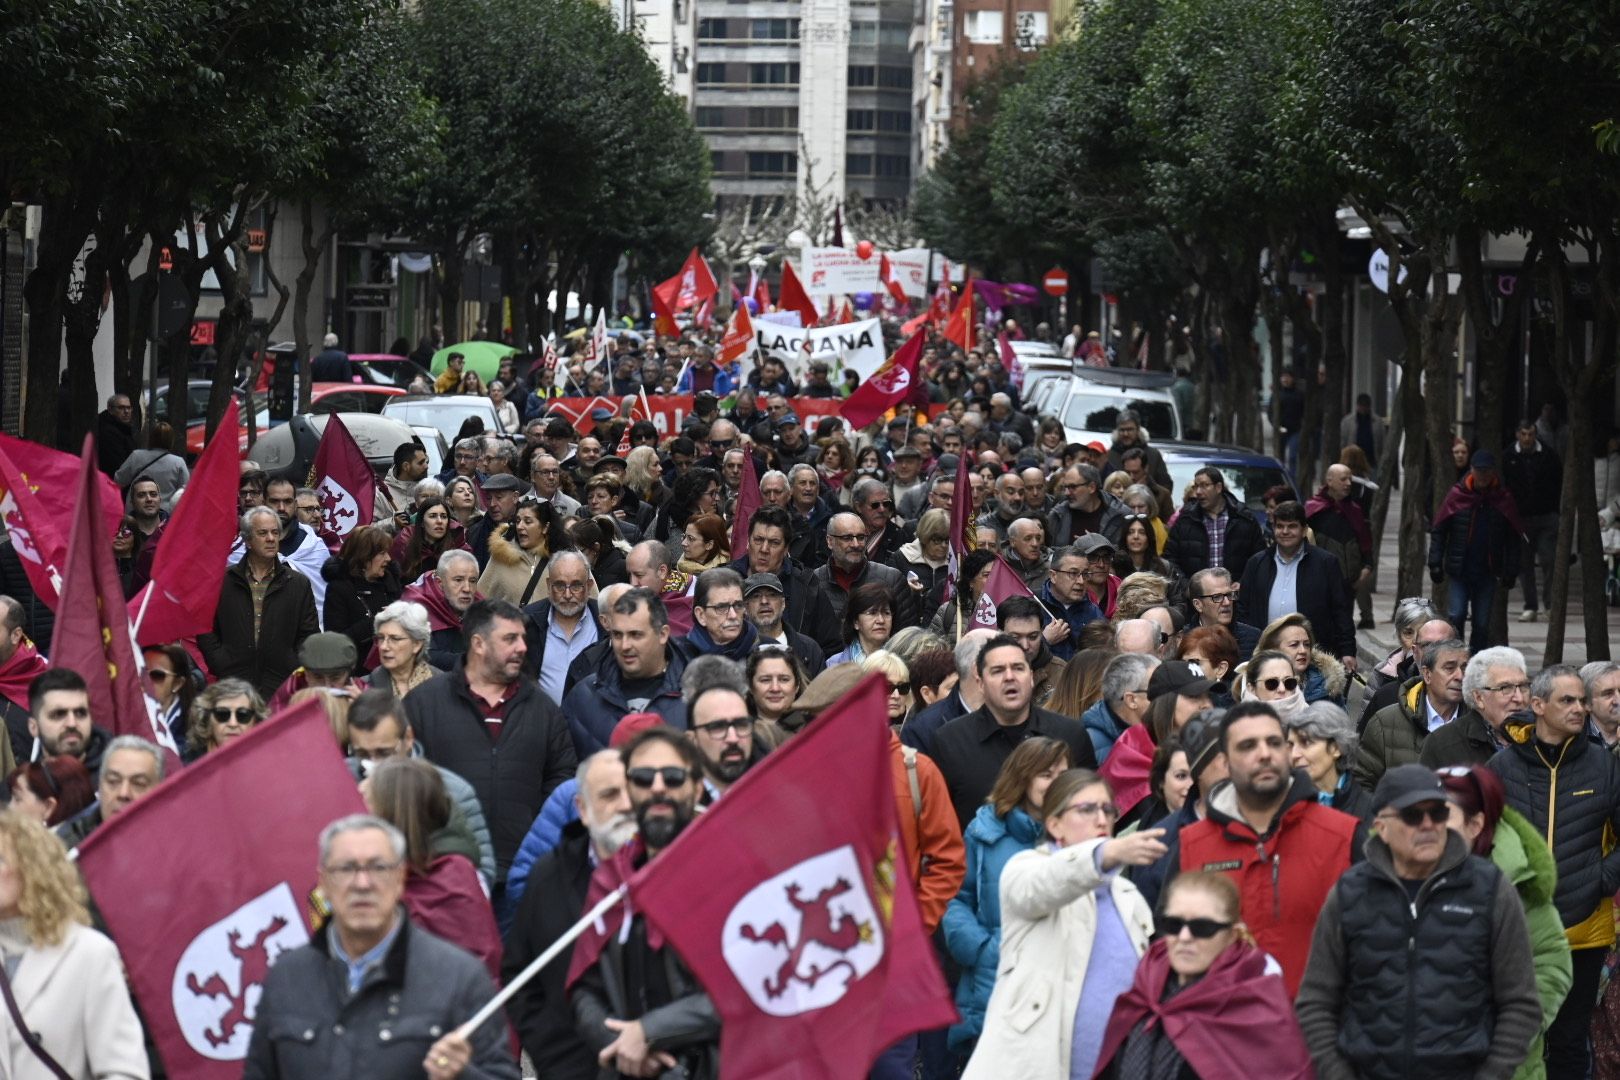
x: 1321, y: 676
x: 1203, y: 998
x: 167, y: 682
x: 868, y: 623
x: 224, y: 711
x: 1323, y: 741
x: 1072, y: 931
x: 1480, y: 815
x: 434, y: 529
x: 1008, y: 822
x: 1270, y: 677
x: 894, y: 669
x: 51, y: 790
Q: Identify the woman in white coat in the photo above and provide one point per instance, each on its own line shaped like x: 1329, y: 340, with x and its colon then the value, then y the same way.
x: 65, y: 978
x: 1072, y: 931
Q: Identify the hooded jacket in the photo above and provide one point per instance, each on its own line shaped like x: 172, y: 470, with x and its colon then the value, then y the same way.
x: 1523, y: 857
x: 511, y: 568
x: 1326, y: 679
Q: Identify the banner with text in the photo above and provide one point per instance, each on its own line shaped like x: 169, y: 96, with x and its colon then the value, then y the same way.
x: 911, y: 267
x: 669, y: 412
x: 835, y: 271
x: 856, y: 345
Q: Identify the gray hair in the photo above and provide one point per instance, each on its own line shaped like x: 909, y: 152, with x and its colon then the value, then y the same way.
x: 500, y: 448
x: 131, y: 742
x: 773, y: 474
x: 801, y: 467
x: 1591, y: 673
x: 451, y: 557
x: 866, y: 489
x: 361, y: 823
x: 1541, y: 686
x: 589, y: 762
x: 1088, y: 474
x: 1412, y: 612
x: 428, y: 485
x: 1139, y: 491
x: 411, y: 617
x: 254, y: 511
x: 967, y: 650
x: 1326, y: 721
x: 1480, y: 664
x: 1432, y: 651
x: 1023, y: 521
x: 572, y: 553
x: 1199, y: 580
x: 471, y: 442
x: 707, y: 673
x: 1012, y: 441
x: 300, y: 493
x: 941, y: 478
x: 1125, y: 673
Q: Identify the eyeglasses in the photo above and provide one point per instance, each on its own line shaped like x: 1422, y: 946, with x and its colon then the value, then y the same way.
x: 880, y: 504
x: 348, y: 872
x: 1412, y: 816
x: 570, y: 587
x: 1290, y: 684
x: 717, y: 729
x: 1069, y: 573
x: 901, y: 688
x: 1219, y: 597
x: 732, y: 607
x: 1508, y: 688
x: 1091, y: 809
x: 722, y: 444
x: 243, y: 715
x: 642, y: 776
x: 1173, y: 925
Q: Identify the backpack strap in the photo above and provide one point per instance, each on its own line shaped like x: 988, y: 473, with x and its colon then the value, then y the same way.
x: 909, y: 753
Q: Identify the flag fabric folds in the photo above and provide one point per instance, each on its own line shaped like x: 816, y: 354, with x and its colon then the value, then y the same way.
x: 890, y: 385
x: 342, y: 477
x: 37, y: 489
x: 959, y: 327
x: 748, y: 501
x: 790, y: 296
x: 1002, y: 583
x: 738, y: 340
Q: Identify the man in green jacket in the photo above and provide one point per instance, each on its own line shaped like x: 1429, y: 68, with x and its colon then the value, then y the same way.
x: 1395, y: 734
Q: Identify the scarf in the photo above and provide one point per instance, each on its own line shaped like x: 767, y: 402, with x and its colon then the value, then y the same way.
x: 1464, y: 495
x: 1345, y: 508
x: 738, y: 650
x: 426, y: 591
x: 17, y: 672
x: 610, y: 874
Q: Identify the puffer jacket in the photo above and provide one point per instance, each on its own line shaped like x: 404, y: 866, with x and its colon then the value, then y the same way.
x: 1396, y: 733
x: 598, y: 702
x: 1523, y: 857
x: 972, y: 921
x: 1326, y: 679
x: 1188, y: 544
x: 1571, y: 795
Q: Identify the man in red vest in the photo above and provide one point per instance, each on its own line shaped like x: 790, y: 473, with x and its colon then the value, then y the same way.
x: 1265, y: 828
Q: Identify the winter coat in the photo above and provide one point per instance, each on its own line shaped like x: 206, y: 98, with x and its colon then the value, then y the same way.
x: 809, y: 609
x: 1396, y: 733
x: 74, y: 999
x: 544, y: 834
x: 1536, y: 479
x: 1476, y: 534
x: 971, y: 749
x: 1063, y: 531
x: 308, y: 1027
x: 1522, y: 856
x: 1465, y: 741
x: 1078, y: 615
x: 451, y: 901
x: 905, y: 605
x: 972, y: 922
x: 512, y: 774
x: 928, y: 829
x: 1103, y: 727
x: 1570, y: 795
x: 1049, y: 921
x: 115, y: 441
x: 1115, y: 461
x: 511, y: 568
x: 1439, y: 986
x: 597, y: 702
x: 1326, y: 679
x: 288, y: 617
x: 1281, y: 875
x: 352, y: 604
x: 1319, y: 595
x: 540, y: 1011
x: 910, y: 560
x: 1188, y: 545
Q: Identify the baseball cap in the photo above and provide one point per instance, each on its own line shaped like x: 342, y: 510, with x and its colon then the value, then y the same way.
x: 1093, y: 542
x: 1407, y: 785
x: 1097, y: 446
x: 327, y: 653
x: 631, y: 725
x: 757, y: 582
x: 600, y: 414
x: 1178, y: 677
x: 504, y: 482
x: 1201, y: 739
x: 1483, y: 459
x: 608, y: 461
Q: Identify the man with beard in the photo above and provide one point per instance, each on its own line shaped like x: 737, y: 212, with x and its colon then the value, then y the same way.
x: 20, y: 664
x: 1265, y: 829
x: 723, y: 731
x: 1009, y: 505
x: 552, y: 901
x: 637, y: 1006
x: 1086, y: 507
x: 767, y: 602
x: 641, y: 672
x: 562, y: 626
x: 141, y: 528
x: 59, y: 719
x: 849, y: 567
x: 772, y: 537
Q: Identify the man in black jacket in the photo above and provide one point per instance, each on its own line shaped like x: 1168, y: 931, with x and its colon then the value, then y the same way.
x: 552, y: 902
x: 257, y: 639
x: 1535, y: 476
x: 1297, y: 576
x: 1569, y: 789
x: 970, y: 750
x: 848, y: 568
x: 115, y: 433
x: 1215, y: 531
x: 491, y: 726
x: 809, y: 610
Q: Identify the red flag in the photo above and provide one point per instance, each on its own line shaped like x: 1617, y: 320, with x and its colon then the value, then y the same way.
x: 179, y: 602
x: 888, y: 386
x: 21, y: 669
x: 964, y: 535
x: 679, y: 610
x: 703, y: 317
x: 342, y: 477
x: 38, y: 492
x: 738, y: 340
x: 664, y: 323
x: 194, y: 966
x: 891, y: 280
x: 959, y: 327
x: 747, y: 502
x: 762, y: 294
x: 1002, y: 583
x: 791, y: 296
x: 741, y: 899
x: 1009, y: 359
x: 92, y: 625
x: 694, y: 283
x: 846, y: 314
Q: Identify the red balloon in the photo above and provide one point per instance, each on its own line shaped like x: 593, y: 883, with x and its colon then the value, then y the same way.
x: 864, y: 249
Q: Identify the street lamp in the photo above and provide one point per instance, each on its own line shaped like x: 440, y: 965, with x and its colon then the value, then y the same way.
x: 757, y: 264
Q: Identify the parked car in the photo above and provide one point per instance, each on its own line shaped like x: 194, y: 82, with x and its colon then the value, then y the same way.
x: 1249, y: 475
x: 1090, y: 402
x: 386, y: 369
x: 446, y: 413
x: 289, y: 449
x: 331, y: 397
x: 1042, y: 375
x: 196, y: 415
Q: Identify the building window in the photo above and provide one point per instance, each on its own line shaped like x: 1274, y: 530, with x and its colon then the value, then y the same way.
x: 1029, y: 30
x: 863, y: 76
x: 709, y: 116
x: 897, y: 120
x: 779, y: 118
x: 858, y: 164
x: 772, y: 163
x: 983, y: 27
x: 863, y: 33
x: 711, y: 74
x: 711, y: 29
x: 773, y: 74
x: 861, y: 120
x: 894, y: 78
x: 894, y: 166
x: 774, y: 29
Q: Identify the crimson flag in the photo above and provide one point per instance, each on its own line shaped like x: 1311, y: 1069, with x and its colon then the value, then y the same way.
x: 891, y: 280
x: 694, y: 283
x: 679, y: 610
x: 198, y: 967
x: 92, y: 625
x: 959, y: 327
x: 808, y: 940
x: 38, y: 492
x: 178, y: 602
x: 738, y: 340
x: 888, y: 386
x: 748, y: 501
x: 762, y: 294
x: 1009, y: 359
x: 1002, y: 583
x: 343, y: 479
x: 664, y: 323
x: 790, y: 296
x: 964, y: 536
x: 703, y: 317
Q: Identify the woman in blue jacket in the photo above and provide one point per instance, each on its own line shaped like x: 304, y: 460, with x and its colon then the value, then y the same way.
x: 1009, y: 822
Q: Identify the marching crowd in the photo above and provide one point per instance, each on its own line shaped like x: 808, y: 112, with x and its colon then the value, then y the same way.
x: 1148, y: 837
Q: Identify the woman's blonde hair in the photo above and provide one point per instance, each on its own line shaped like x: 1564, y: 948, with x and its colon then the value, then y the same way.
x: 638, y: 465
x: 52, y: 893
x: 336, y: 706
x: 1273, y: 631
x: 1137, y: 593
x: 935, y: 524
x: 410, y: 795
x: 893, y: 668
x: 1118, y: 478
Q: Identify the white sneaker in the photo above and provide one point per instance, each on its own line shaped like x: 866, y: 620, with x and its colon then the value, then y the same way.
x: 1527, y: 616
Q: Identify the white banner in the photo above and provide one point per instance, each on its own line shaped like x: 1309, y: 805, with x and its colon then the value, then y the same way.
x: 856, y: 345
x: 832, y: 271
x: 911, y: 267
x: 937, y: 271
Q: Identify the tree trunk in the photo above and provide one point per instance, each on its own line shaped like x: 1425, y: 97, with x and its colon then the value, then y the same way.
x: 1243, y: 374
x: 448, y: 267
x: 235, y: 321
x: 313, y: 245
x: 64, y: 224
x: 81, y: 321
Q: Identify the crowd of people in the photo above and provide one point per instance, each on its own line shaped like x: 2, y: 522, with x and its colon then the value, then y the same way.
x: 1146, y: 833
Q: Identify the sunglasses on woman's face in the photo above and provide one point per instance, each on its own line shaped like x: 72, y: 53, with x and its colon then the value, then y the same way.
x: 158, y: 675
x: 1290, y: 684
x: 1173, y: 925
x: 243, y: 715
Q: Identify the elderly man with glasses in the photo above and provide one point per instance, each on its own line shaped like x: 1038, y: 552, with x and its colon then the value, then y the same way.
x: 885, y: 534
x: 1496, y: 684
x: 1213, y: 596
x: 849, y: 567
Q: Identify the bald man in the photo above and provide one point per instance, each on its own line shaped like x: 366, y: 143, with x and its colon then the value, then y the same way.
x: 1340, y: 526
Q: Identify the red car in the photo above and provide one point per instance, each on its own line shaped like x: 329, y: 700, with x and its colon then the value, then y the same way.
x: 323, y: 398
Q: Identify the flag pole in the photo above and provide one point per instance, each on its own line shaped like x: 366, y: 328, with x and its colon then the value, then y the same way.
x: 140, y: 616
x: 522, y: 978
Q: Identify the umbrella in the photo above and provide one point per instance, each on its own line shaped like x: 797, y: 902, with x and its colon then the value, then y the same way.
x: 483, y: 357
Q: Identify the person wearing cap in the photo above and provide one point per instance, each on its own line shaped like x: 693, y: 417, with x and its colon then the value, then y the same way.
x: 501, y: 493
x: 1420, y: 964
x: 1569, y: 789
x: 1102, y: 584
x: 1085, y: 507
x: 792, y: 448
x: 1200, y: 741
x: 1266, y: 829
x: 906, y: 478
x: 1214, y: 529
x: 766, y: 602
x: 773, y: 537
x: 326, y: 662
x: 1475, y: 545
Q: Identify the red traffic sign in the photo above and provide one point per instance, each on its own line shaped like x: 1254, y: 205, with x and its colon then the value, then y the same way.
x: 1056, y: 281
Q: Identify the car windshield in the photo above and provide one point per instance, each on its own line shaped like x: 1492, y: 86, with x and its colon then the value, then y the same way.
x: 1097, y: 408
x: 445, y: 415
x: 1038, y: 386
x: 197, y: 403
x: 1246, y: 482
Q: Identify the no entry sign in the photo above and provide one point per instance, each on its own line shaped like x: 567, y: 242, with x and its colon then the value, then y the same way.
x: 1056, y: 281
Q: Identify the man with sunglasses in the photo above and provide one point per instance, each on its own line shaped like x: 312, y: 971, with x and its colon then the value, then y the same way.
x: 885, y: 533
x: 640, y: 672
x: 1396, y: 733
x: 1420, y: 964
x: 1569, y: 790
x: 1266, y: 830
x: 1213, y: 595
x: 637, y: 1006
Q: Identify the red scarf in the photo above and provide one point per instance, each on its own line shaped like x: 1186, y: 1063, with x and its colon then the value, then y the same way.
x: 19, y: 671
x: 427, y: 591
x: 1346, y: 509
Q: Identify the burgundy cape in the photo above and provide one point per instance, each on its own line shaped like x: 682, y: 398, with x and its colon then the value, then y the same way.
x: 1345, y: 509
x: 1232, y: 1018
x: 1463, y: 494
x: 449, y: 900
x: 17, y: 672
